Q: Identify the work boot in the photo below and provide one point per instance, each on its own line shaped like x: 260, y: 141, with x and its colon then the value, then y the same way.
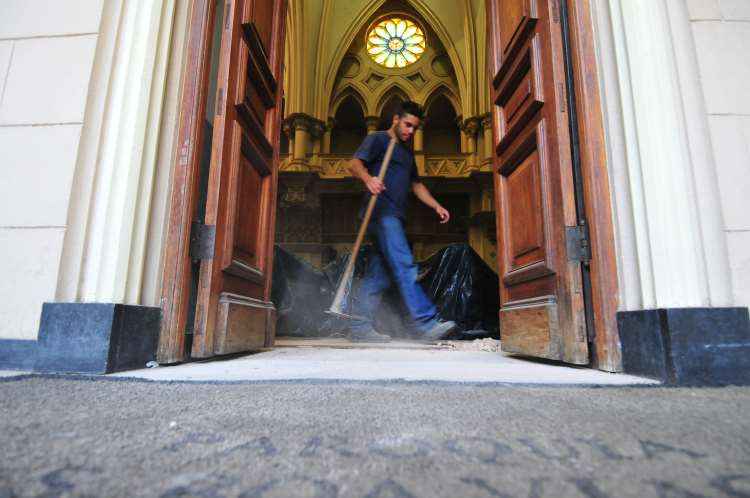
x: 368, y: 335
x: 439, y: 330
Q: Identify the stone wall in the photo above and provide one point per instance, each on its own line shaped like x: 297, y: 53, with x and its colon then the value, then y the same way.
x: 721, y: 29
x: 47, y: 50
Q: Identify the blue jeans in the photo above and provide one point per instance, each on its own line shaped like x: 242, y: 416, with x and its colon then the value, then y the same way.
x: 392, y: 260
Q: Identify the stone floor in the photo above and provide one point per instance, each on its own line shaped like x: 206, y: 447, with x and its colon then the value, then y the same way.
x: 337, y: 359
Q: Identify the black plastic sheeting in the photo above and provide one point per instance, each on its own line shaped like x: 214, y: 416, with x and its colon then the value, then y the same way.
x: 459, y: 282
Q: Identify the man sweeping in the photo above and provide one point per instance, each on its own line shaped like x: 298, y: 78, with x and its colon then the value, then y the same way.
x: 392, y: 259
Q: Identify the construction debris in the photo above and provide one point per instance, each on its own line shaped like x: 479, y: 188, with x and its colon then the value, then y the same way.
x: 458, y: 281
x: 488, y: 345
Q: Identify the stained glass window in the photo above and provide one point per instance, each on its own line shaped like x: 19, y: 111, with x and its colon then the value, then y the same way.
x: 395, y: 42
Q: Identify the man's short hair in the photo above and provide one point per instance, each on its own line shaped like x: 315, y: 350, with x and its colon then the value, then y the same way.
x: 409, y: 107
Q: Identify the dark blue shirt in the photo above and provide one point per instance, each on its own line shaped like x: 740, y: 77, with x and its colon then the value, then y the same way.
x: 402, y: 172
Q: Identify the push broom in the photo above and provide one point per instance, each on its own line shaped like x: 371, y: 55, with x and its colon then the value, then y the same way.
x: 336, y: 308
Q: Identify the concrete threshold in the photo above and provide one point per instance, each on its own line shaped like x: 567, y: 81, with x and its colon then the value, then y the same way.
x: 4, y: 374
x: 338, y: 360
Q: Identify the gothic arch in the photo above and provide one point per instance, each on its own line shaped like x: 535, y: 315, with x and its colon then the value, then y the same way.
x: 349, y: 127
x: 441, y: 89
x: 394, y: 90
x: 442, y: 134
x: 325, y: 90
x: 350, y: 90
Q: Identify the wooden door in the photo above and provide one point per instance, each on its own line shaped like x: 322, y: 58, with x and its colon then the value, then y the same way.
x: 233, y: 311
x: 541, y: 294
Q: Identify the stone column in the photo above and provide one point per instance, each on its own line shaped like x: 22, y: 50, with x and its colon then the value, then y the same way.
x: 464, y: 138
x: 302, y: 128
x: 470, y: 128
x: 419, y: 139
x: 419, y: 149
x: 326, y: 145
x: 301, y: 136
x: 317, y: 131
x: 372, y: 123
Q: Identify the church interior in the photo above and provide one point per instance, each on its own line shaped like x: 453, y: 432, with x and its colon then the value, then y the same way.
x: 344, y: 77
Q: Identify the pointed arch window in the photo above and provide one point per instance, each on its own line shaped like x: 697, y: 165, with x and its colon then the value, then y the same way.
x: 396, y: 42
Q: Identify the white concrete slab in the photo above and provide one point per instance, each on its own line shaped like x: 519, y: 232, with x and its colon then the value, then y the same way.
x: 4, y: 374
x: 383, y: 364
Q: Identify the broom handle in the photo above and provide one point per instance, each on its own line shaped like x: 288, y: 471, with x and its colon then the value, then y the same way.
x: 362, y: 230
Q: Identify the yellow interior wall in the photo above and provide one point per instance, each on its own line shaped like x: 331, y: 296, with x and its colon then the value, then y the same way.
x: 321, y: 33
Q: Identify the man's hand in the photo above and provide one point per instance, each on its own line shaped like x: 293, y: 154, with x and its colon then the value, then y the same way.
x: 358, y: 170
x: 443, y: 213
x: 425, y: 196
x: 374, y: 185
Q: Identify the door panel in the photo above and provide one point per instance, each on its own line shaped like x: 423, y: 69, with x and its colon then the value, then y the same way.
x: 248, y: 217
x: 515, y: 18
x: 261, y: 15
x: 542, y: 311
x: 520, y: 92
x: 524, y: 196
x: 233, y: 310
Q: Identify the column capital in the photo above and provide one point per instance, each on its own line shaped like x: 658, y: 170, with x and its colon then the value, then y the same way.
x: 317, y: 129
x: 372, y: 121
x: 302, y: 121
x: 471, y: 126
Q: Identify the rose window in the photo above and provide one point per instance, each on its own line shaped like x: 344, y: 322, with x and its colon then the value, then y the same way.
x: 395, y: 42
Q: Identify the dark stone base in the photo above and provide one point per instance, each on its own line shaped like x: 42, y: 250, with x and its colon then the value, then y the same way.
x: 687, y: 346
x: 17, y: 354
x: 96, y: 338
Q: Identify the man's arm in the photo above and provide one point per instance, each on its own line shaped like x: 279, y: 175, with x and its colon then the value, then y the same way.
x: 424, y: 195
x: 358, y: 170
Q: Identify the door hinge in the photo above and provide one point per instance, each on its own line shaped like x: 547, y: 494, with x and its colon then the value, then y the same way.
x: 202, y: 239
x: 577, y: 242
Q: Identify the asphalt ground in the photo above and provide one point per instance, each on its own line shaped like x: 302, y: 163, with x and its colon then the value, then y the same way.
x: 96, y: 438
